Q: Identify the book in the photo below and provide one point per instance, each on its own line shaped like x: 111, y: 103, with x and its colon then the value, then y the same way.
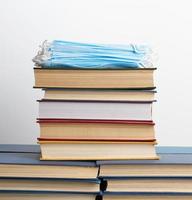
x: 95, y: 110
x: 171, y: 185
x: 164, y: 151
x: 31, y: 195
x: 26, y: 165
x: 173, y: 162
x: 169, y: 155
x: 147, y: 196
x: 96, y: 129
x: 146, y: 170
x: 49, y: 184
x: 140, y: 78
x: 19, y: 148
x: 95, y: 150
x: 99, y: 94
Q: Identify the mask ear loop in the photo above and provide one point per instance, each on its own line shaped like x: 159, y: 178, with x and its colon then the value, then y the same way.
x: 43, y: 54
x: 149, y: 59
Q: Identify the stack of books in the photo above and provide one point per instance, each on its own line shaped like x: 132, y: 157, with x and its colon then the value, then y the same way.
x: 23, y: 176
x: 169, y: 178
x: 97, y: 102
x: 91, y: 114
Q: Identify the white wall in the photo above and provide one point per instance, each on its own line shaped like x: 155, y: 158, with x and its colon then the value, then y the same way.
x: 165, y: 24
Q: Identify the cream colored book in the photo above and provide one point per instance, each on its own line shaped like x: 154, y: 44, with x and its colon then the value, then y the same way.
x: 56, y: 185
x: 96, y: 150
x: 146, y: 170
x: 65, y: 78
x: 148, y: 197
x: 96, y: 129
x: 183, y: 185
x: 48, y: 171
x: 99, y: 94
x: 44, y: 196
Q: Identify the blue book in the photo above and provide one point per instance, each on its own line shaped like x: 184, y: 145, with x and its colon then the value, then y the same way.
x: 34, y: 159
x: 149, y: 185
x: 46, y: 195
x: 167, y: 155
x: 23, y: 161
x: 42, y: 195
x: 146, y: 196
x: 51, y: 185
x: 24, y: 148
x: 173, y: 162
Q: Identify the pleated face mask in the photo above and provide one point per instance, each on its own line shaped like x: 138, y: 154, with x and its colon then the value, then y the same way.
x: 63, y: 54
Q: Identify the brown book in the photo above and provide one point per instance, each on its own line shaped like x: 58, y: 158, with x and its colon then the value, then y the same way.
x: 96, y: 129
x: 140, y: 78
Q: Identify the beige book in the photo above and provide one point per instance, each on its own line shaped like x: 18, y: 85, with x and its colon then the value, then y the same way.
x: 59, y: 185
x: 102, y: 95
x: 44, y: 196
x: 150, y: 185
x: 48, y: 171
x: 145, y: 170
x: 96, y: 150
x: 62, y: 78
x: 110, y: 131
x: 147, y: 197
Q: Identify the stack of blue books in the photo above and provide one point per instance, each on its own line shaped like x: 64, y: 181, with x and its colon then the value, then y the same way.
x: 24, y: 177
x: 169, y: 178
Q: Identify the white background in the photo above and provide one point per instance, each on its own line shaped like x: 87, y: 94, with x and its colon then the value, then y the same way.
x: 167, y: 25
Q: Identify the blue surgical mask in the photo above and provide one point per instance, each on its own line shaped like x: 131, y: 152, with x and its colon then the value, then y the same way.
x: 63, y: 54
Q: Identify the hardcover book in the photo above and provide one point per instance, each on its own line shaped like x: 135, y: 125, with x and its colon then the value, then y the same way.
x: 153, y: 184
x: 147, y: 196
x: 94, y: 150
x: 102, y: 110
x: 173, y: 162
x: 34, y: 195
x: 25, y: 165
x: 99, y: 94
x: 139, y: 78
x: 96, y: 129
x: 49, y: 185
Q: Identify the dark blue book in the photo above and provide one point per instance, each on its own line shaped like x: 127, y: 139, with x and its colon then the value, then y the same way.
x: 24, y: 148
